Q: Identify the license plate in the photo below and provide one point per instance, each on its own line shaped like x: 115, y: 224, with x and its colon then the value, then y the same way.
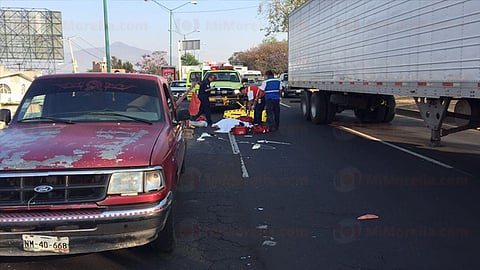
x: 43, y: 243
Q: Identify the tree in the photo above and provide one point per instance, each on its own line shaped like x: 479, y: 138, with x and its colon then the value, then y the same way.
x: 118, y: 64
x: 189, y: 59
x: 152, y: 64
x: 276, y: 12
x: 271, y: 54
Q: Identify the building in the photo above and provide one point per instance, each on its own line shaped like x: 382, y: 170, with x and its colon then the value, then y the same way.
x: 13, y: 84
x: 101, y: 66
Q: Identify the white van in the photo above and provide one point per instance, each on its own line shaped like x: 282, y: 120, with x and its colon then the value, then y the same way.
x: 252, y: 75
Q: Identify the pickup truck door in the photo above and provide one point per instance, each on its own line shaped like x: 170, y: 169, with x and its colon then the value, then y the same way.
x: 176, y: 132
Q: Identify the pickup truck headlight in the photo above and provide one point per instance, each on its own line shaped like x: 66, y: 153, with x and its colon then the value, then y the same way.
x: 236, y: 92
x: 132, y: 183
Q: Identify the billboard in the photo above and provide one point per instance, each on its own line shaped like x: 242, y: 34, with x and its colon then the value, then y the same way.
x: 28, y: 35
x: 168, y: 73
x: 190, y: 45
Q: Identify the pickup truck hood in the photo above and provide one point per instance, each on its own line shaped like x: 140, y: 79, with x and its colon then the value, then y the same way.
x: 77, y: 146
x: 233, y: 85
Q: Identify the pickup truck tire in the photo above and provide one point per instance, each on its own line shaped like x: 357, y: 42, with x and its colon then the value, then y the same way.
x: 166, y: 240
x: 305, y: 104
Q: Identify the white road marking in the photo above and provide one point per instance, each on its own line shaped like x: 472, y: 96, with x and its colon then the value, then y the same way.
x: 285, y: 105
x: 236, y: 151
x: 395, y: 146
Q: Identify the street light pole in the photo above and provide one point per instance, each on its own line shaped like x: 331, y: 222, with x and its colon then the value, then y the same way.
x: 107, y: 40
x: 170, y: 27
x: 170, y: 10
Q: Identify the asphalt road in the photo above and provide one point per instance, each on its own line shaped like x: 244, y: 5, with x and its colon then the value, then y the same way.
x: 294, y: 203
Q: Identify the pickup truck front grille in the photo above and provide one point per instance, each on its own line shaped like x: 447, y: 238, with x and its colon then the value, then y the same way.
x: 29, y: 190
x: 228, y: 92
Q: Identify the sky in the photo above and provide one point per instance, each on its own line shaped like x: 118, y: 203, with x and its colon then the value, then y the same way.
x: 223, y: 27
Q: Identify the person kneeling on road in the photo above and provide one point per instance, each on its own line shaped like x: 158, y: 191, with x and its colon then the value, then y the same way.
x: 256, y: 101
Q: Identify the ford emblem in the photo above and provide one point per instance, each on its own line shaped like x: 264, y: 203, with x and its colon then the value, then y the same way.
x: 43, y: 189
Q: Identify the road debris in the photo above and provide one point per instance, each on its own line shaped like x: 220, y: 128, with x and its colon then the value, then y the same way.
x: 269, y: 243
x: 266, y: 141
x: 367, y: 217
x: 203, y: 136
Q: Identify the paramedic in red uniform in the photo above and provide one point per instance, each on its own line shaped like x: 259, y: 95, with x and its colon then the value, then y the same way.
x: 256, y: 99
x: 271, y: 87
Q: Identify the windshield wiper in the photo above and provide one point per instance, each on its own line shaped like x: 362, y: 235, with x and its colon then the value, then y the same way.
x: 53, y: 119
x: 122, y: 115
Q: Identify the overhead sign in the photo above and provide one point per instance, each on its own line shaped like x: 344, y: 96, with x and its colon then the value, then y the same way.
x: 191, y: 45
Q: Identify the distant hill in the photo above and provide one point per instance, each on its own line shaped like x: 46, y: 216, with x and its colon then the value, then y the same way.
x: 85, y: 57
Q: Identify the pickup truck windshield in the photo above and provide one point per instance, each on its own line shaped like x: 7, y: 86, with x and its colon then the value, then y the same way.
x: 79, y: 99
x: 225, y: 76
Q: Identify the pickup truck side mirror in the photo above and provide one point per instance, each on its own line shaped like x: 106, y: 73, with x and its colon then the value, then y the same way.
x: 5, y: 115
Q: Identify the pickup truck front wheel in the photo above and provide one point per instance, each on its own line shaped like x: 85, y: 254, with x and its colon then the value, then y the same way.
x: 166, y: 241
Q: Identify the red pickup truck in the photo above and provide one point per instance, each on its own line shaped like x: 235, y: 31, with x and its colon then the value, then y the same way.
x: 88, y: 163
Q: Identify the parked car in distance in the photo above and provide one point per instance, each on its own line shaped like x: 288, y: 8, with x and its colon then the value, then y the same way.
x: 89, y: 163
x: 178, y: 87
x: 284, y: 84
x: 286, y: 91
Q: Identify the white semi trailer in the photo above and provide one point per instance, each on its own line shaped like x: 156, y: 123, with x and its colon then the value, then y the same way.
x: 359, y: 54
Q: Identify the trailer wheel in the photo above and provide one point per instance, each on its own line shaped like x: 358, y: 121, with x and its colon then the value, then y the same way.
x: 376, y: 115
x: 361, y: 114
x: 331, y: 110
x: 390, y: 105
x: 321, y: 110
x: 305, y: 104
x: 381, y: 109
x: 318, y: 108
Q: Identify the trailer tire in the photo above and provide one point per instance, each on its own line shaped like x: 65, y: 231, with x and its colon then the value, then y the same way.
x: 331, y: 110
x: 305, y: 104
x: 381, y: 109
x: 321, y: 110
x: 390, y: 105
x: 318, y: 108
x: 376, y: 115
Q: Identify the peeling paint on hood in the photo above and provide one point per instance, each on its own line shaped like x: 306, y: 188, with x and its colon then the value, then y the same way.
x: 97, y: 145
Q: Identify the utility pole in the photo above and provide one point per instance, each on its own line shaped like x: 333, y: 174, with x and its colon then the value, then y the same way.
x: 74, y: 61
x: 107, y: 40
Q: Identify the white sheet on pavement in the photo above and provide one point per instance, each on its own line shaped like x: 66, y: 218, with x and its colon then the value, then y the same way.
x: 225, y: 125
